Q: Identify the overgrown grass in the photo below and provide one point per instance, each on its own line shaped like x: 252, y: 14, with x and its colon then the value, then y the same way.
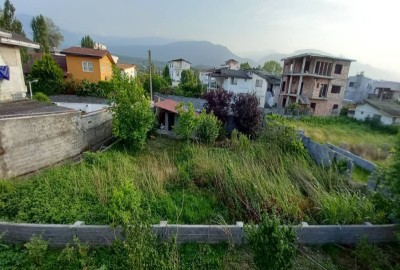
x: 190, y: 184
x: 358, y: 174
x: 368, y: 141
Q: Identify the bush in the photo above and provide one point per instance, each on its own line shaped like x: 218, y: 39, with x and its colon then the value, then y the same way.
x: 49, y: 76
x: 344, y: 111
x: 272, y: 244
x: 248, y: 117
x: 208, y: 128
x: 39, y: 96
x: 187, y: 121
x: 218, y: 102
x: 282, y: 133
x: 132, y: 117
x: 102, y: 89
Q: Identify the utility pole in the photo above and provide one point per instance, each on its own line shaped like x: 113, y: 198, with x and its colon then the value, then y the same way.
x: 151, y: 82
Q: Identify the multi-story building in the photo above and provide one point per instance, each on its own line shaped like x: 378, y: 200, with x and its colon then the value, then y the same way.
x: 316, y: 82
x: 175, y: 69
x: 385, y: 91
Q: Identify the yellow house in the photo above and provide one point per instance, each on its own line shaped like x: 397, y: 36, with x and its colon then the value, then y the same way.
x: 93, y: 65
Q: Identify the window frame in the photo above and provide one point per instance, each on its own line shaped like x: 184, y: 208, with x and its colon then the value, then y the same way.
x: 337, y: 88
x: 86, y: 66
x: 338, y: 69
x: 233, y: 81
x: 259, y: 83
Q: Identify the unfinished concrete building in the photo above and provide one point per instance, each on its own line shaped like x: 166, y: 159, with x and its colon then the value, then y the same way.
x: 316, y: 82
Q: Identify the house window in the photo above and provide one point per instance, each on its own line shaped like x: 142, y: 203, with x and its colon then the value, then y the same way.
x: 87, y: 66
x: 338, y: 69
x: 335, y: 109
x: 234, y: 81
x: 259, y: 83
x: 323, y: 91
x: 177, y: 73
x: 351, y: 84
x: 313, y: 105
x: 103, y: 67
x: 335, y: 89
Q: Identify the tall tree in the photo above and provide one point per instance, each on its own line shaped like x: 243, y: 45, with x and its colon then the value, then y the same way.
x: 54, y: 37
x: 165, y: 74
x: 40, y: 32
x: 244, y: 66
x: 273, y: 67
x: 87, y: 42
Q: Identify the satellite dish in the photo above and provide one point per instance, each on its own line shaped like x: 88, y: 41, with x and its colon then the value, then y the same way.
x: 271, y: 102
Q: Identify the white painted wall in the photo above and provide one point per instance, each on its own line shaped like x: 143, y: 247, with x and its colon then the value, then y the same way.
x: 203, y: 77
x: 14, y: 88
x: 175, y: 70
x: 84, y: 107
x: 130, y: 72
x: 365, y: 110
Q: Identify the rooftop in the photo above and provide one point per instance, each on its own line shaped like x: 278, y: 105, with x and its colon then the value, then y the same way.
x: 198, y: 103
x: 388, y: 107
x: 168, y: 105
x: 317, y: 55
x: 29, y: 107
x: 179, y: 60
x: 125, y: 66
x: 60, y: 59
x: 87, y: 52
x: 271, y: 78
x: 225, y: 72
x: 78, y: 99
x: 9, y: 38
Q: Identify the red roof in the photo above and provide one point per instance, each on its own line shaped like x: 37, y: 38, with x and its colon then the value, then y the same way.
x: 59, y: 58
x: 87, y: 52
x: 168, y: 105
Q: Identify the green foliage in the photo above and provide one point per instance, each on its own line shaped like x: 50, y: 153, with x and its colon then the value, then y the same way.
x: 39, y: 96
x: 272, y: 244
x: 87, y: 42
x: 132, y: 117
x: 370, y: 256
x: 248, y: 116
x: 8, y: 21
x: 36, y: 248
x: 54, y: 37
x: 49, y: 76
x: 40, y: 32
x: 273, y: 67
x: 201, y: 256
x: 187, y: 121
x: 344, y: 111
x: 282, y: 133
x: 208, y: 128
x: 158, y: 83
x: 102, y: 89
x: 190, y: 85
x: 166, y: 76
x: 245, y: 66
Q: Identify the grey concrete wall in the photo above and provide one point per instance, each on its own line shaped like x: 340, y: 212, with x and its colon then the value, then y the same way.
x: 34, y: 142
x: 101, y: 235
x: 365, y: 164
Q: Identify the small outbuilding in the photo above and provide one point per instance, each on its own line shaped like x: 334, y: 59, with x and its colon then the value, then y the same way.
x: 167, y: 114
x: 388, y: 112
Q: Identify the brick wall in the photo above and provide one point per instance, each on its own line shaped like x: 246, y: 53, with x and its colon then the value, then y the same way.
x: 34, y: 142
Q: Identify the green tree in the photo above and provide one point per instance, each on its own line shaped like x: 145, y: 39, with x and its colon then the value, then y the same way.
x: 245, y: 66
x: 157, y: 81
x: 273, y: 67
x: 40, y: 32
x: 187, y: 121
x: 9, y: 22
x: 54, y: 37
x: 132, y: 117
x: 166, y: 76
x: 87, y: 42
x: 49, y: 75
x: 190, y: 85
x: 208, y: 127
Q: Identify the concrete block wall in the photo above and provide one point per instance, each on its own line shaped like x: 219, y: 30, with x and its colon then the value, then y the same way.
x: 34, y: 142
x: 365, y: 164
x: 102, y: 235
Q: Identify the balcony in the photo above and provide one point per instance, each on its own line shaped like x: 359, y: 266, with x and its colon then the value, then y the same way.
x: 307, y: 74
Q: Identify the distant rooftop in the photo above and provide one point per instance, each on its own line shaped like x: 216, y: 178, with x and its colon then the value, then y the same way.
x: 29, y: 107
x: 78, y: 99
x: 317, y: 55
x: 179, y: 60
x: 125, y: 66
x: 271, y: 78
x: 226, y: 73
x: 60, y: 59
x: 388, y: 107
x: 78, y: 51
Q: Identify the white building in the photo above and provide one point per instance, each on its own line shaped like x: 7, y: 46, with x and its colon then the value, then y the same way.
x: 231, y: 64
x: 203, y: 76
x: 12, y: 84
x: 358, y: 88
x: 175, y: 69
x: 264, y: 85
x: 128, y: 70
x: 387, y: 112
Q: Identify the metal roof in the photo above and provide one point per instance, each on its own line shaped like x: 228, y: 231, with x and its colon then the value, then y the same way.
x: 390, y: 108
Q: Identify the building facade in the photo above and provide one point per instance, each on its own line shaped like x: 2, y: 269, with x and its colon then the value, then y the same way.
x: 358, y: 88
x: 89, y: 64
x: 316, y: 82
x: 175, y: 69
x: 128, y: 70
x: 12, y: 83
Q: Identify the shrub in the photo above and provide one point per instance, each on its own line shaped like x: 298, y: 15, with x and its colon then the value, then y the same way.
x: 39, y: 96
x: 190, y: 86
x: 71, y: 86
x: 132, y: 117
x: 248, y: 117
x: 36, y: 248
x: 187, y: 121
x: 370, y: 256
x: 102, y: 89
x: 208, y: 128
x: 272, y: 244
x: 218, y: 102
x: 282, y: 133
x: 344, y: 111
x: 49, y: 76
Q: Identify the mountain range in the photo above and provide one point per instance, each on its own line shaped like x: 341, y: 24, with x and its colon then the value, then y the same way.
x: 201, y: 54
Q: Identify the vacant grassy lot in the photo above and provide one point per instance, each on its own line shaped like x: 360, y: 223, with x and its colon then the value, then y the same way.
x: 190, y: 183
x: 371, y: 143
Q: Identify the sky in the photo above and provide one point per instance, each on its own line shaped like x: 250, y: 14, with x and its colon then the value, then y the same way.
x: 367, y: 31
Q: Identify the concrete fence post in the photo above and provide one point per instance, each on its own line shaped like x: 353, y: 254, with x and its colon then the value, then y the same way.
x: 240, y: 237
